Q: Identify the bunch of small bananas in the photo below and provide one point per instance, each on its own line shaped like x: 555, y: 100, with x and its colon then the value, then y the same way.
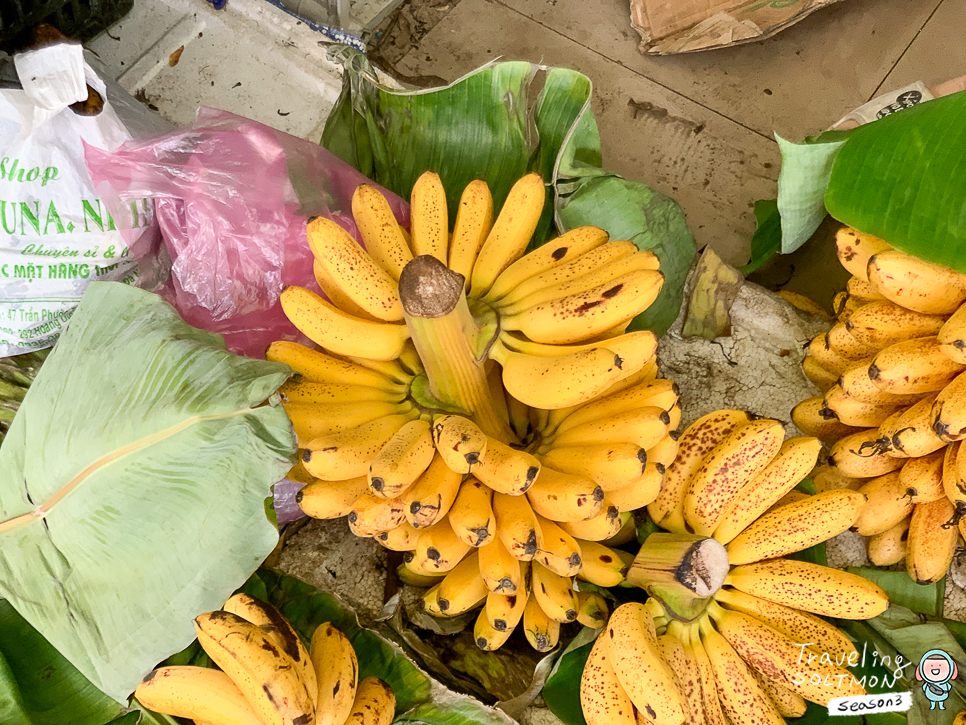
x: 267, y: 676
x: 893, y: 372
x: 16, y: 375
x: 728, y: 633
x: 482, y: 409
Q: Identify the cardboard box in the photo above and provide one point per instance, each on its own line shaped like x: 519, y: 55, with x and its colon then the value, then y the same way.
x: 683, y: 26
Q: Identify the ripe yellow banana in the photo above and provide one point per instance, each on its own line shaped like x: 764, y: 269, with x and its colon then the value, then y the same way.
x: 320, y: 367
x: 474, y: 219
x: 602, y: 565
x: 267, y: 677
x: 883, y: 323
x: 695, y: 442
x: 371, y: 515
x: 541, y: 631
x: 355, y: 272
x: 648, y: 393
x: 922, y: 478
x: 502, y: 572
x: 952, y: 336
x: 846, y: 305
x: 401, y: 538
x: 402, y: 460
x: 516, y: 525
x: 813, y: 588
x: 488, y: 638
x: 337, y: 669
x: 413, y: 572
x: 555, y: 253
x: 564, y: 497
x: 839, y: 339
x: 627, y: 533
x: 713, y: 713
x: 339, y: 332
x: 384, y: 239
x: 913, y: 367
x: 603, y: 699
x: 511, y: 232
x: 507, y: 470
x: 429, y: 220
x: 634, y: 654
x: 889, y: 547
x: 643, y: 426
x: 554, y: 593
x: 438, y: 549
x: 331, y: 499
x: 428, y: 500
x: 916, y: 284
x: 609, y: 465
x: 687, y: 676
x: 504, y: 611
x: 788, y: 703
x: 471, y: 514
x: 820, y: 377
x: 641, y: 491
x: 333, y: 293
x: 605, y: 525
x: 856, y: 384
x: 854, y: 249
x: 559, y: 551
x: 279, y: 630
x: 592, y: 609
x: 887, y: 505
x: 375, y: 704
x: 827, y: 358
x: 585, y: 314
x: 912, y: 434
x: 794, y: 461
x: 797, y: 526
x: 723, y: 472
x: 856, y: 413
x: 948, y: 414
x: 862, y: 455
x: 954, y: 485
x: 460, y: 590
x: 827, y: 478
x: 931, y: 541
x: 348, y: 453
x: 311, y: 420
x: 198, y: 693
x: 665, y: 451
x: 459, y: 441
x: 862, y: 291
x: 307, y: 393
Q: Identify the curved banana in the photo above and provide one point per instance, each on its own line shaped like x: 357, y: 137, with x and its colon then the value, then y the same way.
x: 610, y: 465
x: 695, y: 442
x: 603, y: 699
x: 592, y: 609
x: 686, y: 674
x: 889, y: 547
x: 794, y: 461
x: 883, y: 323
x: 602, y: 565
x: 550, y: 255
x: 644, y: 427
x: 796, y: 526
x: 320, y: 367
x: 863, y: 455
x: 854, y: 249
x: 334, y: 293
x: 460, y: 590
x: 429, y: 218
x: 948, y: 414
x: 649, y: 393
x: 915, y: 284
x: 474, y: 219
x: 348, y: 453
x: 267, y: 677
x: 564, y: 497
x: 713, y: 713
x: 401, y: 538
x: 339, y: 332
x: 371, y: 515
x: 460, y: 442
x: 913, y: 367
x: 516, y: 525
x: 922, y: 478
x: 932, y: 539
x: 665, y: 450
x: 430, y: 498
x: 862, y: 291
x: 952, y: 336
x: 887, y: 505
x: 820, y: 377
x: 723, y: 472
x: 813, y: 588
x: 471, y: 514
x: 488, y: 638
x: 856, y: 384
x: 402, y: 460
x: 507, y: 470
x: 198, y: 693
x: 559, y: 551
x: 605, y: 525
x: 541, y: 631
x: 439, y: 550
x: 641, y: 491
x: 337, y: 669
x: 502, y: 572
x: 311, y: 420
x: 828, y: 359
x: 504, y: 611
x: 554, y: 593
x: 788, y: 703
x: 844, y: 343
x: 827, y: 478
x: 856, y: 413
x: 384, y: 239
x: 306, y: 393
x: 375, y: 704
x: 331, y: 499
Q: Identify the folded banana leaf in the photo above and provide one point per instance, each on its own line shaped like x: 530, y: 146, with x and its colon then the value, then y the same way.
x: 479, y: 127
x: 133, y: 483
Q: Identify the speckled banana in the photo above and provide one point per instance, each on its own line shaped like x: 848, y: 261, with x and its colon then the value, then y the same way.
x: 887, y: 504
x: 913, y: 367
x: 320, y: 367
x: 312, y: 420
x: 648, y: 393
x: 794, y: 461
x: 931, y: 542
x: 198, y: 693
x: 307, y: 393
x: 429, y: 499
x: 337, y: 669
x: 713, y: 713
x: 460, y: 590
x: 507, y: 470
x: 331, y: 499
x: 603, y: 699
x: 883, y: 323
x: 820, y: 377
x: 339, y: 332
x: 844, y: 343
x: 952, y: 336
x: 810, y: 417
x: 948, y: 413
x: 471, y: 514
x: 346, y: 454
x: 863, y: 455
x: 402, y: 460
x: 511, y: 232
x: 915, y: 284
x: 384, y: 239
x: 863, y: 291
x: 459, y: 441
x: 723, y: 472
x: 856, y: 384
x: 828, y: 360
x: 609, y: 465
x: 429, y: 221
x: 854, y: 412
x: 810, y: 587
x: 796, y: 526
x: 564, y: 497
x: 685, y: 668
x: 922, y: 478
x: 375, y: 704
x: 854, y: 249
x: 474, y: 219
x: 267, y: 677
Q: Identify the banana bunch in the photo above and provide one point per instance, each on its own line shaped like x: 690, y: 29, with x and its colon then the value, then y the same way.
x: 729, y: 632
x: 267, y: 676
x: 893, y: 375
x: 16, y: 375
x: 481, y: 409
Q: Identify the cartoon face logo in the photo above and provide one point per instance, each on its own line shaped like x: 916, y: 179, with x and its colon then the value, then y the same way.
x: 936, y: 670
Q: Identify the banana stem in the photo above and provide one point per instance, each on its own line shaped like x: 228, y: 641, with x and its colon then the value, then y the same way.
x: 450, y: 341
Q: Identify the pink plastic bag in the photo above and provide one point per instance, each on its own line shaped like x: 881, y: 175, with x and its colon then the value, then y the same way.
x: 232, y: 198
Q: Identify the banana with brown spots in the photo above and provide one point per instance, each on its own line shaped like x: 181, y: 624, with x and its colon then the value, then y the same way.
x: 337, y: 669
x: 375, y: 704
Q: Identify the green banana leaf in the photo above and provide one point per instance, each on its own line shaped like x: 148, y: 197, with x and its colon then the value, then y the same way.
x: 132, y: 484
x: 478, y: 127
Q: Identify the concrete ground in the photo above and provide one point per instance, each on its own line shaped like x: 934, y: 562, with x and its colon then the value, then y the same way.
x: 700, y: 126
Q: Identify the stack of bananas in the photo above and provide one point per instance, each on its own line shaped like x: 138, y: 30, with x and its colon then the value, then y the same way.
x: 482, y: 409
x: 267, y: 676
x: 893, y: 372
x: 16, y: 375
x: 728, y: 633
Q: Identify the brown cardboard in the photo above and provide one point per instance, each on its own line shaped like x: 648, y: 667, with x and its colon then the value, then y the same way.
x: 683, y: 26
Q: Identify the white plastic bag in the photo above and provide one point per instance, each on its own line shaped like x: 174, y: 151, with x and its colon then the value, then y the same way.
x: 55, y: 234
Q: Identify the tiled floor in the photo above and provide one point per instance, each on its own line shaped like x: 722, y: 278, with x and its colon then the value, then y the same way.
x: 699, y: 126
